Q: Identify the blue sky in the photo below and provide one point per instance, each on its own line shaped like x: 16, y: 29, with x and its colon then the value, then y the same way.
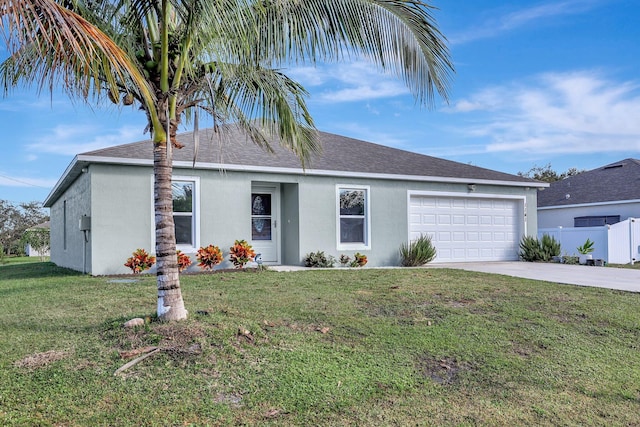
x: 536, y: 82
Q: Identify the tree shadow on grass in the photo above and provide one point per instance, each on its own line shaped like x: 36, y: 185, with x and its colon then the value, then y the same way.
x: 34, y: 270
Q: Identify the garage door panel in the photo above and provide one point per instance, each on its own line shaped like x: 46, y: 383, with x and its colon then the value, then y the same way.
x: 458, y: 219
x: 459, y: 253
x: 444, y: 236
x: 459, y: 203
x: 443, y: 202
x: 429, y: 219
x: 473, y: 253
x: 487, y: 253
x: 486, y: 220
x: 471, y: 203
x: 486, y: 236
x: 459, y: 236
x: 445, y: 253
x: 444, y: 219
x: 468, y: 228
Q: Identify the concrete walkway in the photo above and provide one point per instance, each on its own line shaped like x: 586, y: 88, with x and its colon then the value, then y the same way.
x: 602, y: 277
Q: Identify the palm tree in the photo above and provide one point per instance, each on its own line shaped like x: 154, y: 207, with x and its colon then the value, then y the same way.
x: 176, y: 58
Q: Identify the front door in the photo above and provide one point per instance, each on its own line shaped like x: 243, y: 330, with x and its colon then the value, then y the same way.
x: 264, y: 223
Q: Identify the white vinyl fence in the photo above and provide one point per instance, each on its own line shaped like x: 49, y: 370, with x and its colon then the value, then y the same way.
x: 616, y: 244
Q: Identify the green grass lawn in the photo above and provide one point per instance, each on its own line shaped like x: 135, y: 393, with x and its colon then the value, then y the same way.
x: 9, y: 260
x: 362, y: 347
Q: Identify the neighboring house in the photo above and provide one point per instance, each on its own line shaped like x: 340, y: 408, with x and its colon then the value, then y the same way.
x: 578, y: 207
x: 29, y: 251
x: 606, y: 195
x: 353, y: 197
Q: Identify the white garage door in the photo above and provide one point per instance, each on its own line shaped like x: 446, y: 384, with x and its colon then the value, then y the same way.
x: 467, y: 228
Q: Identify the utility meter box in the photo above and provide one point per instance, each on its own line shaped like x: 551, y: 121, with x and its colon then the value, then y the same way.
x: 85, y: 223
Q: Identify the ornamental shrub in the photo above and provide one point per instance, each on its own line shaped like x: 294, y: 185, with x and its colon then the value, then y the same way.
x: 550, y: 247
x: 241, y: 253
x: 140, y: 261
x: 344, y: 260
x: 208, y: 257
x: 183, y: 261
x: 359, y: 260
x: 417, y: 252
x: 532, y: 249
x: 318, y: 260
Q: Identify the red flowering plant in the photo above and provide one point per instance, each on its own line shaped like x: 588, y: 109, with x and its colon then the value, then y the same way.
x: 183, y: 261
x: 359, y: 260
x: 140, y: 261
x: 208, y: 257
x: 241, y: 253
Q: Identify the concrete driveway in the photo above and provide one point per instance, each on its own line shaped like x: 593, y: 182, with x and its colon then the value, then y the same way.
x: 602, y: 277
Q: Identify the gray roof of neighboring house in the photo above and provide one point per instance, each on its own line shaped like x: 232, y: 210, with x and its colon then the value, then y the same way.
x: 232, y: 150
x: 617, y: 181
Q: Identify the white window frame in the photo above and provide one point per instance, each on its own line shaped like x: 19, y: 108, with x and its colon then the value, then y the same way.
x: 367, y: 218
x: 195, y: 212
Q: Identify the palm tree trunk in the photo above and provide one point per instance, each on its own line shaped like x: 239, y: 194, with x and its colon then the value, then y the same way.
x: 170, y: 303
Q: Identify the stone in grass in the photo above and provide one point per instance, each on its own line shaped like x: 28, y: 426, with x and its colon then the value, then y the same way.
x: 138, y: 321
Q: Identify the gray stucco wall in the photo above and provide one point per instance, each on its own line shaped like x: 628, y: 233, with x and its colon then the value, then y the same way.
x: 121, y: 207
x: 225, y: 206
x: 67, y: 241
x: 121, y: 215
x: 389, y: 216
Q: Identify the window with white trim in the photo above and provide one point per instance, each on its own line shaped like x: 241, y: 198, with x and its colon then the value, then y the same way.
x: 184, y: 212
x: 353, y: 217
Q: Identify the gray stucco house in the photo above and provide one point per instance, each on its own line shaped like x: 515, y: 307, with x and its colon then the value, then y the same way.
x: 353, y: 197
x: 605, y: 195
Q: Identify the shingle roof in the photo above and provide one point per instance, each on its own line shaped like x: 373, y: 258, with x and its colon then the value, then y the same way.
x: 231, y: 149
x: 614, y: 182
x: 339, y: 153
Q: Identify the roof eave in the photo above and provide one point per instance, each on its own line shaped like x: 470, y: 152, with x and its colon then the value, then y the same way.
x: 591, y: 204
x: 69, y: 175
x: 84, y: 160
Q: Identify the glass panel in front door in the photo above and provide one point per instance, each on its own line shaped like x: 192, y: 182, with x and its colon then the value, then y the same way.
x: 261, y: 216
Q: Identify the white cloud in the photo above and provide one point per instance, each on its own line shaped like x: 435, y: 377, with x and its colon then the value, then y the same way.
x: 311, y: 76
x: 579, y: 112
x: 496, y: 26
x: 70, y: 139
x: 349, y: 82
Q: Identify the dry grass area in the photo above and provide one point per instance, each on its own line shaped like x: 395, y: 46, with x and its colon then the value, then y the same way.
x: 40, y: 360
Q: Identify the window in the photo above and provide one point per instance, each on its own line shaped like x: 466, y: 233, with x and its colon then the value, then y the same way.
x: 184, y: 212
x: 595, y: 221
x: 353, y: 217
x: 261, y: 216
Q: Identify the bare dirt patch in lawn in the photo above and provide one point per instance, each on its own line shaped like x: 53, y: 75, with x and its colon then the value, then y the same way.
x: 40, y: 360
x: 443, y: 371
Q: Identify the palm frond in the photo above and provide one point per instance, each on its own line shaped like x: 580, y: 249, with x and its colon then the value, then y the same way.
x: 397, y: 35
x: 50, y: 44
x: 265, y: 103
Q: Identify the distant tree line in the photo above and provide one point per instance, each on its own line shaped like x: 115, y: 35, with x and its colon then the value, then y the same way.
x: 547, y: 174
x: 15, y: 220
